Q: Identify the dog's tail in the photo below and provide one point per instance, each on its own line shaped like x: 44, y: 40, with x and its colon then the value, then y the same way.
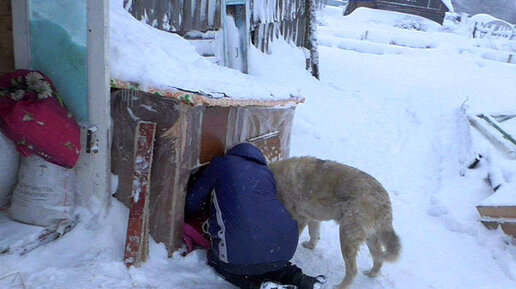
x: 391, y: 243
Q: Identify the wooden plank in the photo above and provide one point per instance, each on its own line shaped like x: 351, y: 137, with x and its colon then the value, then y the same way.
x: 507, y: 228
x: 217, y: 22
x: 163, y: 13
x: 196, y: 23
x: 497, y: 211
x: 205, y: 15
x: 136, y: 246
x: 177, y: 9
x: 187, y: 16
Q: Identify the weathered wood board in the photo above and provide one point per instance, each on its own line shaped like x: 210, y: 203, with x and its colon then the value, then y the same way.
x: 136, y: 245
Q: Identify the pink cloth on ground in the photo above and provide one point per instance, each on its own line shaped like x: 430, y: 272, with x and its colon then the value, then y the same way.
x: 192, y: 238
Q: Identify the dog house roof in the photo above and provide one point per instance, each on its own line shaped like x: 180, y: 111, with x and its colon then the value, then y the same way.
x: 200, y: 98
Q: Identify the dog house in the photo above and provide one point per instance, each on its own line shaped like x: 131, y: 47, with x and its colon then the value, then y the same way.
x: 434, y: 10
x: 191, y: 130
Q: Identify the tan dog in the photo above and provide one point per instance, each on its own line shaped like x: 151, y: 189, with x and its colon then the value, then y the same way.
x: 315, y: 190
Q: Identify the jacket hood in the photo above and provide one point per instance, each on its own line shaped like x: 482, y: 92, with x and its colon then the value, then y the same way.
x: 248, y: 151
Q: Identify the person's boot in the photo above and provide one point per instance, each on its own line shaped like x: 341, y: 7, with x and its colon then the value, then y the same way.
x: 307, y: 282
x: 321, y: 280
x: 274, y: 285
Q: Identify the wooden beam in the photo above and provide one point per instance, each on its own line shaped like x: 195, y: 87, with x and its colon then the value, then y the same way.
x: 98, y: 168
x: 137, y: 241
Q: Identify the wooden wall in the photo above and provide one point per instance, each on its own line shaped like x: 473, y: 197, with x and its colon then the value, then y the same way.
x: 6, y: 38
x: 430, y: 9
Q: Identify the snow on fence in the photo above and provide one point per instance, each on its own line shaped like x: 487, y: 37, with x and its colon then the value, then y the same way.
x: 274, y: 18
x: 379, y: 42
x: 494, y: 29
x: 268, y: 19
x: 179, y: 16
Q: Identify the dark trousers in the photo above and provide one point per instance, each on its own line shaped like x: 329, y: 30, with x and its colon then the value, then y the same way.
x: 289, y: 274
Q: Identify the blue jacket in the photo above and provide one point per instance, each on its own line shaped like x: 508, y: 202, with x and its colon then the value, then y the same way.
x: 251, y: 231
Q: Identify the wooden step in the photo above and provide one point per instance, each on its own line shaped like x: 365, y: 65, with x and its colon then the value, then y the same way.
x: 494, y: 217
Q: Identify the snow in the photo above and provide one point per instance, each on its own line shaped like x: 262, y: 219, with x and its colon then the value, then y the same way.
x: 484, y: 18
x: 402, y: 117
x: 171, y: 61
x: 505, y: 196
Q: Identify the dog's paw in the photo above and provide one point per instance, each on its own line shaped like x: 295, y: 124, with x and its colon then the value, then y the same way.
x: 370, y: 273
x: 308, y: 245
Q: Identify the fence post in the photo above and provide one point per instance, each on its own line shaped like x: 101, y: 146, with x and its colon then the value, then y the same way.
x: 236, y: 43
x: 311, y: 35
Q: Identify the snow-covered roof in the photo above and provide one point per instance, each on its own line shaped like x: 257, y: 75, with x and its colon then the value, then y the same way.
x: 390, y: 18
x: 505, y: 196
x: 448, y: 4
x: 485, y: 18
x: 164, y: 62
x: 200, y: 98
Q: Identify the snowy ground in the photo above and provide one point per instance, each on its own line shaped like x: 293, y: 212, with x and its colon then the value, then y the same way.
x: 389, y: 104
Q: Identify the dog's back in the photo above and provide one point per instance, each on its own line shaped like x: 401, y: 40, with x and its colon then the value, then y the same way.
x: 316, y: 190
x: 327, y: 190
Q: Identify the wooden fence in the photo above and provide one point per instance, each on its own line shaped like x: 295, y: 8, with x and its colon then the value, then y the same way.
x: 494, y: 29
x: 179, y: 16
x: 277, y: 18
x: 268, y: 19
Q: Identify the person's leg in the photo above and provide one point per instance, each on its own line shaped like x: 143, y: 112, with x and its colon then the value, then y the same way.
x: 241, y: 281
x: 291, y: 274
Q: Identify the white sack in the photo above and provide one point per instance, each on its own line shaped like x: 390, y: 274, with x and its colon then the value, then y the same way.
x: 9, y: 163
x: 43, y: 195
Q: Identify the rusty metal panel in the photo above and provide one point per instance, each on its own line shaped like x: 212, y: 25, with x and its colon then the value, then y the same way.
x: 137, y: 240
x: 175, y: 155
x: 270, y: 147
x: 248, y: 124
x: 187, y: 152
x: 214, y: 130
x: 129, y: 107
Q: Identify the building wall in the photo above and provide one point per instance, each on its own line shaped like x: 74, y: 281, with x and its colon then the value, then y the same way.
x: 6, y: 38
x: 430, y: 9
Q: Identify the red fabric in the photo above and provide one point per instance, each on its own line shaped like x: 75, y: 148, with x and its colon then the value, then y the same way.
x: 193, y: 237
x: 38, y: 125
x: 193, y: 233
